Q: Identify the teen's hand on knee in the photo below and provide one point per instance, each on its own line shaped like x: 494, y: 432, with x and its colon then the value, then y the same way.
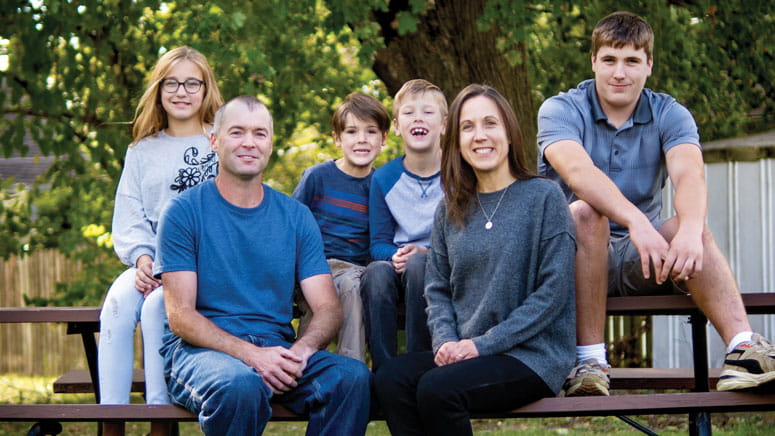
x: 652, y: 247
x: 684, y: 259
x: 144, y: 281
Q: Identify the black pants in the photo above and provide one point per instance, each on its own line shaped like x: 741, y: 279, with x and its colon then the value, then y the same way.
x: 420, y: 398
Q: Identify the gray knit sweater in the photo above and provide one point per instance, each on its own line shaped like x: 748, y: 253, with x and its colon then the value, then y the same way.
x: 511, y: 288
x: 156, y: 169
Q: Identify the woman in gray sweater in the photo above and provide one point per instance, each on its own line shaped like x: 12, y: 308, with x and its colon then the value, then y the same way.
x: 499, y: 282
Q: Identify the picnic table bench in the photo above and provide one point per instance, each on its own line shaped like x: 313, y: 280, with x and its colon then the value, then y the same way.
x: 698, y: 404
x: 49, y: 416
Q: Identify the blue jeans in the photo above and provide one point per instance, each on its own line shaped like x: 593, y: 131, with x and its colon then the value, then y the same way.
x: 420, y: 398
x: 382, y: 289
x: 232, y: 399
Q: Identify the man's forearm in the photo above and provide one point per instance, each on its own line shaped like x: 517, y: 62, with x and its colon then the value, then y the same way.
x: 198, y: 330
x: 323, y: 326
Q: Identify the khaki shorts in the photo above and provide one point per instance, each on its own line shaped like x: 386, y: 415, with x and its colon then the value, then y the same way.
x: 625, y: 275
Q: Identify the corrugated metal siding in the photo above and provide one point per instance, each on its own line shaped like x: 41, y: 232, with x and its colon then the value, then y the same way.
x: 741, y: 215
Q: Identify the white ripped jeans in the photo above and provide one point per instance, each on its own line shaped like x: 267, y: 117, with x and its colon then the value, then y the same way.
x: 124, y: 306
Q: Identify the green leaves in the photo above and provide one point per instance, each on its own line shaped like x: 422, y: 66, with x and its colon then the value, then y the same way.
x: 407, y: 23
x: 77, y: 69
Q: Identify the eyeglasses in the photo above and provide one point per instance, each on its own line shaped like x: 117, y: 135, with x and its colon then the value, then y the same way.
x: 191, y: 86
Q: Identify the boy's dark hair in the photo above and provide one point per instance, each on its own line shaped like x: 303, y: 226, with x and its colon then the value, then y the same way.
x: 361, y: 106
x: 620, y: 29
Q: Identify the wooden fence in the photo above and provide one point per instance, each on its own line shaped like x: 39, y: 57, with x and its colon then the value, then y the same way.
x: 46, y: 349
x: 36, y: 349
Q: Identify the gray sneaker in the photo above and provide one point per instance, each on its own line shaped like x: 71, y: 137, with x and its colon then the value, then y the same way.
x: 749, y: 366
x: 589, y: 378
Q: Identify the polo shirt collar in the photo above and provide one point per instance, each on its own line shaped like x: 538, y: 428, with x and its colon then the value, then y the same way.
x: 641, y: 115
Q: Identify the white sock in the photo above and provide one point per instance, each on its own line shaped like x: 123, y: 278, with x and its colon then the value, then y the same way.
x: 744, y: 336
x: 594, y: 351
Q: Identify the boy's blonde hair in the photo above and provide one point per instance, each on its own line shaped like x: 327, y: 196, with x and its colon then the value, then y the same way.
x: 621, y: 29
x: 361, y: 106
x: 150, y: 117
x: 417, y: 87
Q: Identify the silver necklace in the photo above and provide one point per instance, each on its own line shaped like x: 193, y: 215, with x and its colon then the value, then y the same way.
x: 488, y: 224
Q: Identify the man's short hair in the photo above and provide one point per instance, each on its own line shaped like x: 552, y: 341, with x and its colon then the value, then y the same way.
x: 251, y: 102
x: 365, y: 108
x: 621, y: 29
x: 417, y: 87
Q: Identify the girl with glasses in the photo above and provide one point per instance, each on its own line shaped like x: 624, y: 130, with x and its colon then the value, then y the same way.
x: 169, y: 154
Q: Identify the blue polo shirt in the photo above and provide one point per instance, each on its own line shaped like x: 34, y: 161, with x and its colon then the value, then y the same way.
x: 632, y: 156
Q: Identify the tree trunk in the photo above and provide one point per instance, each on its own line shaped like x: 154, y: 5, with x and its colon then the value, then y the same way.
x: 450, y: 52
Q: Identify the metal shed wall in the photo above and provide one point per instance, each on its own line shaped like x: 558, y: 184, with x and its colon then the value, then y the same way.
x: 740, y: 175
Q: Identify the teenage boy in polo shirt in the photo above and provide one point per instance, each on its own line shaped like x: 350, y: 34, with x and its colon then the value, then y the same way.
x: 611, y: 143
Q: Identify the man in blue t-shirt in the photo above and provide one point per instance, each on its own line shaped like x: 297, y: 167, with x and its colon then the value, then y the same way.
x: 230, y: 253
x: 611, y: 143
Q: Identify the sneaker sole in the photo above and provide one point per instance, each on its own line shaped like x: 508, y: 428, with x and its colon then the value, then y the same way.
x: 732, y: 380
x: 587, y: 389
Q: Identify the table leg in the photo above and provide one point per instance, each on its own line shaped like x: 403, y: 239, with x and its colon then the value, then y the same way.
x: 699, y: 423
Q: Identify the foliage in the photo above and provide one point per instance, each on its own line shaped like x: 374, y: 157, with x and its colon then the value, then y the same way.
x: 714, y: 57
x: 77, y: 68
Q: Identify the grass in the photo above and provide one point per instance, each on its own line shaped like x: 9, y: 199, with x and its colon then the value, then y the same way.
x: 18, y: 390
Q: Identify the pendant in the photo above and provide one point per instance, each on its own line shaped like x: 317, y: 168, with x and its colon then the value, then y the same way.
x: 488, y: 225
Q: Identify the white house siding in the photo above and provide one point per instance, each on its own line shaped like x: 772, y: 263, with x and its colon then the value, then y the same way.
x: 741, y: 215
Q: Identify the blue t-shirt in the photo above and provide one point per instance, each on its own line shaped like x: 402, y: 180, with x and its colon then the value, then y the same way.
x: 632, y: 156
x: 247, y: 260
x: 340, y: 204
x: 401, y: 207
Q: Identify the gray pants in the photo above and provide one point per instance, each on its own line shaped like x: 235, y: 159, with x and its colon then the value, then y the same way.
x: 625, y: 275
x: 351, y: 341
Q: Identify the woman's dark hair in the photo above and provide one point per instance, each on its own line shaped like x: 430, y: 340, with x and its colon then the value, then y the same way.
x: 457, y: 176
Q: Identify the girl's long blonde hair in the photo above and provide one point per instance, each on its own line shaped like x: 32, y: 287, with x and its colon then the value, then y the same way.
x: 150, y: 116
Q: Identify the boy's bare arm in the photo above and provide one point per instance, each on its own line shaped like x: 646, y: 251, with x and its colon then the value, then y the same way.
x: 687, y: 173
x: 591, y: 185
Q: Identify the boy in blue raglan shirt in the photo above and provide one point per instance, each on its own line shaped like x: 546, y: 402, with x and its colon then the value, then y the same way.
x: 337, y: 193
x: 403, y: 198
